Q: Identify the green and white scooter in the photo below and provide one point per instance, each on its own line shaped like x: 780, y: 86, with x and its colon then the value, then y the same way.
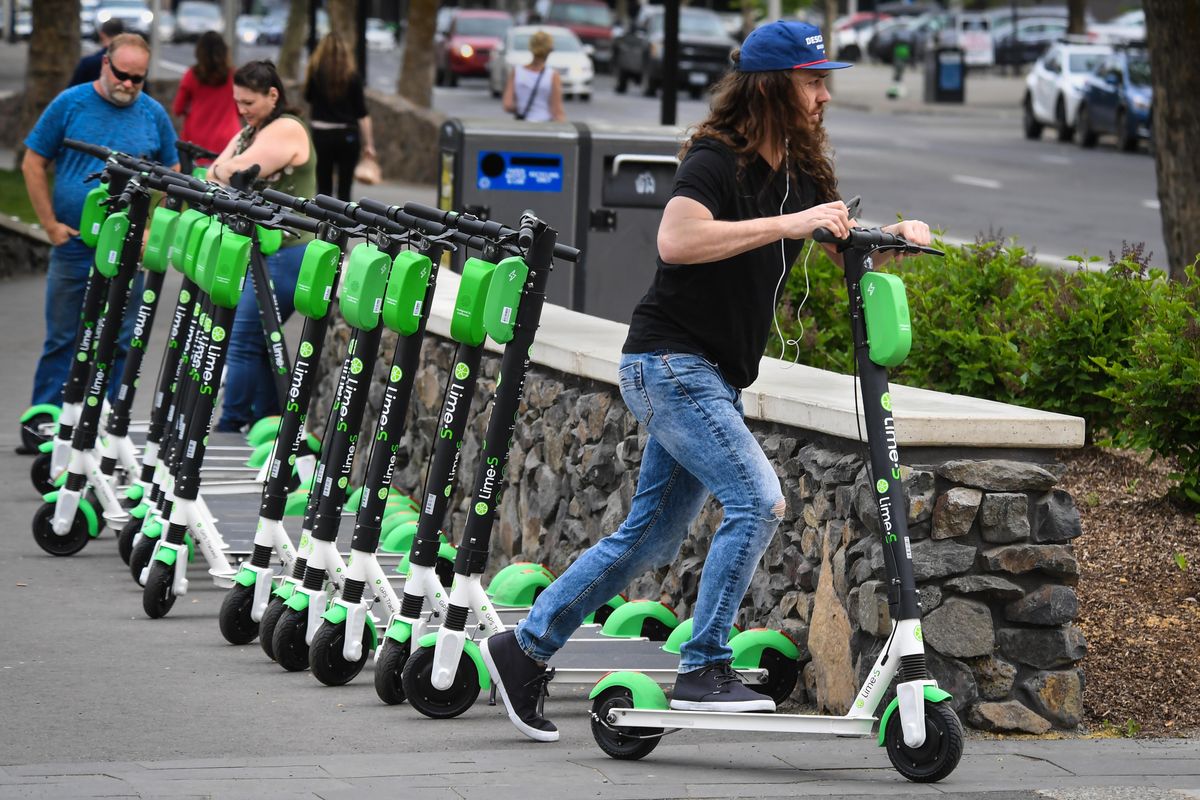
x: 919, y: 728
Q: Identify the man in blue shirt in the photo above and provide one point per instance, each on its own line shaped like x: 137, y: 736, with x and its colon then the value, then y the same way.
x: 88, y: 68
x: 111, y: 111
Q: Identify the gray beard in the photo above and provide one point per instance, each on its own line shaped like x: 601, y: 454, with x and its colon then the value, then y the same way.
x: 120, y: 97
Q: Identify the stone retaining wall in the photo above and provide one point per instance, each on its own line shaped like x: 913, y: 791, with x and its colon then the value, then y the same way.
x: 23, y: 248
x: 991, y: 542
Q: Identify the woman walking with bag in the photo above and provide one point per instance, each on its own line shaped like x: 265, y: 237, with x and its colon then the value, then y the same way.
x: 341, y: 129
x: 205, y: 97
x: 534, y: 92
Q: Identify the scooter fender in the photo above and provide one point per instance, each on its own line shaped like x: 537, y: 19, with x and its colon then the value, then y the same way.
x: 89, y: 513
x: 646, y: 693
x: 41, y: 408
x: 354, y: 617
x: 626, y: 621
x: 135, y: 492
x: 140, y: 510
x: 46, y: 446
x: 748, y: 647
x: 471, y: 649
x: 298, y: 600
x: 169, y: 554
x: 261, y: 579
x: 399, y: 631
x: 285, y: 589
x: 930, y: 693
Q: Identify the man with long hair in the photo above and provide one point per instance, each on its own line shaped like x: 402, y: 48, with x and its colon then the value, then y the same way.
x: 755, y: 182
x: 111, y: 111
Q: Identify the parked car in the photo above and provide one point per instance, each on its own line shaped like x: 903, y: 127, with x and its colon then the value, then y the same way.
x: 1127, y: 27
x: 166, y: 26
x: 591, y: 21
x: 569, y: 59
x: 379, y: 35
x: 272, y: 25
x: 87, y: 18
x: 1117, y: 99
x: 704, y: 47
x: 1033, y: 37
x: 135, y: 15
x: 473, y: 34
x: 853, y: 33
x: 247, y: 28
x: 196, y: 17
x: 1054, y: 86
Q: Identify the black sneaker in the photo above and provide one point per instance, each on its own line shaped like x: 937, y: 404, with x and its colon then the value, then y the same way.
x: 522, y: 684
x: 716, y: 688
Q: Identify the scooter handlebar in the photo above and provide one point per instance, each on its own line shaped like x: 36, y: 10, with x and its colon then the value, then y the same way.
x: 488, y: 229
x: 99, y: 151
x: 872, y: 239
x: 194, y: 150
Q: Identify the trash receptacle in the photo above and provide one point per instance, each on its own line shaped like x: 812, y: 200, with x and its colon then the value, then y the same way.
x: 602, y: 187
x: 945, y: 75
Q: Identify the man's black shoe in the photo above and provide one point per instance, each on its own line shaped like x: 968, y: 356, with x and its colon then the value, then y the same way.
x: 716, y: 688
x: 522, y: 684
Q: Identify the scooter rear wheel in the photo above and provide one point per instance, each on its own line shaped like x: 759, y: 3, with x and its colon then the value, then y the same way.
x: 39, y: 474
x: 31, y: 435
x: 158, y: 595
x: 266, y: 627
x: 388, y: 669
x: 288, y: 640
x: 125, y: 537
x: 626, y: 744
x: 782, y: 674
x: 439, y: 703
x: 68, y: 545
x: 325, y: 657
x: 236, y: 625
x: 938, y: 756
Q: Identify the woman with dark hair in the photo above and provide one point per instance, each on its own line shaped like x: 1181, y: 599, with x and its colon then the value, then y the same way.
x: 276, y: 140
x: 340, y: 125
x: 205, y: 96
x: 756, y: 180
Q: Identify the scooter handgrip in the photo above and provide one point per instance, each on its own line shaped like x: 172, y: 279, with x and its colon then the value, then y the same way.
x: 334, y: 204
x: 99, y: 151
x: 190, y: 195
x: 825, y: 237
x: 194, y: 150
x: 282, y: 199
x: 297, y: 221
x: 422, y: 211
x: 566, y: 252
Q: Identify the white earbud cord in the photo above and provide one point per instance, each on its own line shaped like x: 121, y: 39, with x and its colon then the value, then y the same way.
x: 784, y: 342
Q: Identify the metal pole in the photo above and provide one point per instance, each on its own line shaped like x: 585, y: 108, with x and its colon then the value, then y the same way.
x: 231, y: 14
x: 670, y: 62
x: 360, y: 39
x: 156, y: 41
x: 312, y: 25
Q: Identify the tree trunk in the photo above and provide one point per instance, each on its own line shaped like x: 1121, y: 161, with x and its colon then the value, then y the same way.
x: 1172, y: 29
x: 343, y: 20
x: 416, y: 70
x: 831, y: 12
x: 293, y: 40
x: 1076, y: 20
x: 53, y: 53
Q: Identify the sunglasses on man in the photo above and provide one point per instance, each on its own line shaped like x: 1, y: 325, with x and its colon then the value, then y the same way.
x: 125, y: 76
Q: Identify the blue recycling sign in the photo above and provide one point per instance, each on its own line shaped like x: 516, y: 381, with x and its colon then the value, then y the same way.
x: 519, y: 172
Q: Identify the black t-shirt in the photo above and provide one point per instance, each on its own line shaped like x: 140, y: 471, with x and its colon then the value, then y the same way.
x: 722, y: 310
x: 345, y: 109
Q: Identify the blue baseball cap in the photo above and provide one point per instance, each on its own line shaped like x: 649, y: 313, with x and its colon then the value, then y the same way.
x: 785, y: 45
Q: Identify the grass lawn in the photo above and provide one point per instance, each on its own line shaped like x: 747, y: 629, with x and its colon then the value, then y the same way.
x: 14, y: 201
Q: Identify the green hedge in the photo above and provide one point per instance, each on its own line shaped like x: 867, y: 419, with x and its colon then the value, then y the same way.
x: 1119, y: 347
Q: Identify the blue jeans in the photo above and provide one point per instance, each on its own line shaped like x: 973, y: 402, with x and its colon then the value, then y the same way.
x: 699, y: 444
x: 66, y: 284
x: 249, y: 392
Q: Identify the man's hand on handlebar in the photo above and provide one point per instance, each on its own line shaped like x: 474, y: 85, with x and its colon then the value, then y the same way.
x: 831, y: 216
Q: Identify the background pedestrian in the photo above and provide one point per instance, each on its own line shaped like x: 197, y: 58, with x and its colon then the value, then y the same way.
x: 88, y: 68
x: 534, y: 92
x: 341, y: 128
x: 205, y: 96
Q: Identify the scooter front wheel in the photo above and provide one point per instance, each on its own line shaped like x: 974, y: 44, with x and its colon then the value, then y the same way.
x: 288, y: 640
x: 140, y: 554
x: 67, y: 545
x: 39, y: 474
x: 625, y: 744
x: 938, y: 756
x: 158, y: 595
x: 388, y: 671
x: 439, y: 703
x: 266, y: 627
x: 236, y: 625
x: 326, y: 659
x: 125, y: 537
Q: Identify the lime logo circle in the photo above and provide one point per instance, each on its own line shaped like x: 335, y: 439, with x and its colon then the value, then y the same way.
x: 218, y: 333
x: 859, y: 704
x: 356, y: 366
x: 383, y: 494
x: 148, y: 296
x: 91, y: 401
x: 342, y: 482
x: 447, y: 491
x: 397, y: 374
x: 917, y: 634
x: 185, y: 296
x: 275, y: 337
x: 291, y: 460
x: 81, y: 356
x: 481, y: 508
x: 881, y: 486
x: 461, y: 371
x: 886, y: 401
x: 306, y: 349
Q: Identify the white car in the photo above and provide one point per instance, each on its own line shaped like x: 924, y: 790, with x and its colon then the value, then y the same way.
x: 574, y: 66
x: 1127, y: 27
x: 1054, y: 86
x: 379, y: 35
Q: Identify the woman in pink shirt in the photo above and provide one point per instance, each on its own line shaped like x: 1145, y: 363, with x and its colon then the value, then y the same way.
x: 205, y: 98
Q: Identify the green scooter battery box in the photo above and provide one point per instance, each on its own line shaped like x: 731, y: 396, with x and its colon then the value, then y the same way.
x: 406, y: 288
x: 93, y: 215
x: 504, y: 297
x: 183, y: 230
x: 269, y: 240
x: 314, y: 284
x: 110, y: 243
x: 207, y: 255
x: 195, y: 237
x: 229, y: 274
x: 466, y: 323
x: 885, y: 306
x: 361, y: 297
x: 158, y: 244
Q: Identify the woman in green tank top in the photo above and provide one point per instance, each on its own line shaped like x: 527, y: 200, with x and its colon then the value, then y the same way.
x: 277, y: 141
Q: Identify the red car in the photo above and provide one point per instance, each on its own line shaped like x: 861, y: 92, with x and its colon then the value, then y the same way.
x: 468, y: 44
x: 591, y: 21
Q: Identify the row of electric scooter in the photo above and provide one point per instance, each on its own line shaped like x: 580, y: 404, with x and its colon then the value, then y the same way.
x: 324, y: 611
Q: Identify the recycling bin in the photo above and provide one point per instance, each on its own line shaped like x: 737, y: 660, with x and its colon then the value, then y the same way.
x: 945, y: 75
